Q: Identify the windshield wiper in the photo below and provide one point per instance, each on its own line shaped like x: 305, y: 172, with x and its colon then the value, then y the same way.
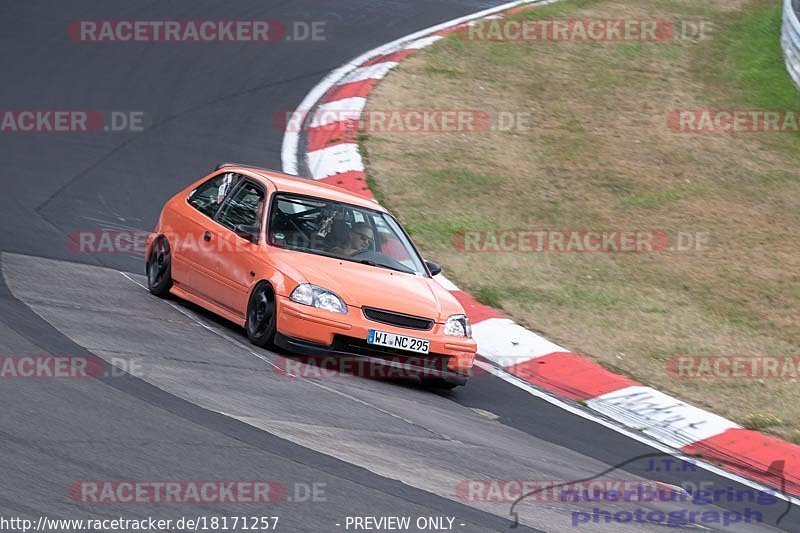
x: 375, y: 264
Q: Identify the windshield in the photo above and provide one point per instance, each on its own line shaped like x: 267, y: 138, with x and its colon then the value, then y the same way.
x: 344, y: 231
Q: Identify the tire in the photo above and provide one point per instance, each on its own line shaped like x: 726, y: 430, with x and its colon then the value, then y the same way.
x: 262, y: 320
x: 159, y: 268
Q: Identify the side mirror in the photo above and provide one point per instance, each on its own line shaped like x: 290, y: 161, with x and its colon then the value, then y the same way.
x: 435, y: 268
x: 249, y: 233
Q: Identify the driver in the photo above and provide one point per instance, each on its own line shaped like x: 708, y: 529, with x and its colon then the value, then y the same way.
x: 359, y: 238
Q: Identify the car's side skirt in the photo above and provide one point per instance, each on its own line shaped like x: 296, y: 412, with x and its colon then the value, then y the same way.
x: 182, y: 292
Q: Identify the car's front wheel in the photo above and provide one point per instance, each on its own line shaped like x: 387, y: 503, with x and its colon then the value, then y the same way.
x: 440, y: 383
x: 262, y: 317
x: 159, y: 268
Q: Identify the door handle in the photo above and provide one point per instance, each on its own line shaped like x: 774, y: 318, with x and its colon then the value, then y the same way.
x: 207, y: 236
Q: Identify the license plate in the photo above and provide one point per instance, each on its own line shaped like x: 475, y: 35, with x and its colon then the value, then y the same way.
x: 401, y: 342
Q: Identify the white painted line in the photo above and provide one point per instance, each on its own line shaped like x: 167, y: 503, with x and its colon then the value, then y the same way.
x: 507, y: 343
x: 378, y: 71
x: 291, y: 139
x: 334, y: 160
x: 671, y: 421
x: 639, y: 437
x: 419, y: 44
x: 337, y: 111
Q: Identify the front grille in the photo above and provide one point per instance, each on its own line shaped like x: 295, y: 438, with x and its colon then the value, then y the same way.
x: 355, y: 346
x: 398, y: 319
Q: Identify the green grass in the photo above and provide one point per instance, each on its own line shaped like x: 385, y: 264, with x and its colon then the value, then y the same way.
x: 376, y: 191
x: 654, y: 50
x: 780, y: 176
x: 756, y: 53
x: 761, y: 421
x: 745, y: 53
x: 507, y: 54
x: 663, y: 198
x: 447, y: 71
x: 567, y: 148
x: 490, y: 297
x: 614, y: 184
x: 743, y: 67
x: 461, y: 177
x: 443, y: 59
x: 440, y: 232
x: 595, y: 298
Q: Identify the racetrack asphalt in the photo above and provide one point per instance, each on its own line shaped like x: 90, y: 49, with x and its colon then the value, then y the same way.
x: 205, y: 408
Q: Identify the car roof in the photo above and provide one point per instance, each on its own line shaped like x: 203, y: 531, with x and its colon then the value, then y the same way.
x: 305, y: 186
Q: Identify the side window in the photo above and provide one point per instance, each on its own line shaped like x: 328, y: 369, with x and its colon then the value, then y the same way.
x: 208, y: 196
x: 389, y: 245
x: 244, y: 206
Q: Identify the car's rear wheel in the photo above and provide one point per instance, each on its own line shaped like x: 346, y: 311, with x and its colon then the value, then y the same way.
x: 261, y: 316
x: 159, y: 268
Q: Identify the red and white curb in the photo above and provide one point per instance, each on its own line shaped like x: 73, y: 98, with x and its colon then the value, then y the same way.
x: 531, y: 359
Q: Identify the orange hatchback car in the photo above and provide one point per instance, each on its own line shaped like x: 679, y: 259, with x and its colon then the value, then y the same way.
x: 311, y: 268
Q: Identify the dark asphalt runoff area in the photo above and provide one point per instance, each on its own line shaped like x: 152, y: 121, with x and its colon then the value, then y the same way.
x: 199, y: 403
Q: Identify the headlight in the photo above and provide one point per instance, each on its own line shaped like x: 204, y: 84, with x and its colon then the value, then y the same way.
x: 308, y: 294
x: 458, y: 326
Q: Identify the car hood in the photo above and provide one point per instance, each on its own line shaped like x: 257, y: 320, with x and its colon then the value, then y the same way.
x: 369, y: 286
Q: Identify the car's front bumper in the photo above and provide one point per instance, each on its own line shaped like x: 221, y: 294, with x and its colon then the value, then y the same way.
x: 309, y: 331
x: 405, y: 368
